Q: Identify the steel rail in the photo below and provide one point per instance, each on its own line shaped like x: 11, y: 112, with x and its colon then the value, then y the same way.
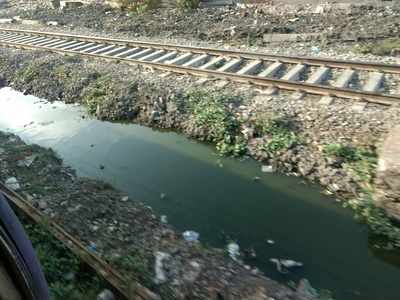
x: 315, y: 89
x: 311, y: 61
x: 104, y: 270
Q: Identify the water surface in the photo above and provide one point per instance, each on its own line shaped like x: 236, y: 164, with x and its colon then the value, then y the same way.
x: 214, y: 196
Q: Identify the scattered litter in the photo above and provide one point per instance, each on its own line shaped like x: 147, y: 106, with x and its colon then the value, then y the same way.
x: 42, y: 204
x: 13, y: 184
x: 92, y: 246
x: 158, y: 267
x: 52, y: 23
x: 283, y: 264
x: 124, y: 198
x: 271, y: 242
x: 315, y: 50
x: 256, y: 178
x: 191, y: 236
x: 233, y: 250
x: 267, y: 169
x: 101, y: 167
x: 164, y: 219
x: 163, y: 195
x: 105, y: 295
x: 288, y: 263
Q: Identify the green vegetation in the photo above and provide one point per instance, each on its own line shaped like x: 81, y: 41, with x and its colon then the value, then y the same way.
x: 279, y: 135
x: 362, y: 162
x: 139, y: 6
x: 213, y: 114
x: 137, y: 265
x: 384, y: 47
x: 67, y: 277
x: 366, y: 211
x: 187, y: 4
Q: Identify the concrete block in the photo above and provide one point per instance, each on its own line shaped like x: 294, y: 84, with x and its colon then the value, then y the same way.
x: 30, y: 22
x: 290, y: 37
x: 6, y: 21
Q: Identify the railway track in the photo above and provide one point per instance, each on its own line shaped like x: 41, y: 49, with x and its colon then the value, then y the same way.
x: 371, y: 82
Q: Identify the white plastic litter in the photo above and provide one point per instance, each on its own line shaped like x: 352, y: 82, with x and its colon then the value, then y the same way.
x: 160, y: 277
x: 164, y: 219
x: 191, y: 236
x: 233, y: 250
x: 13, y: 184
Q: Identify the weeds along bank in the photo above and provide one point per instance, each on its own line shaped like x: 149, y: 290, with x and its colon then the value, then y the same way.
x: 336, y: 145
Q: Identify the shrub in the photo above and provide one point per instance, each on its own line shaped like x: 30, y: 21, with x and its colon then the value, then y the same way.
x: 280, y: 136
x: 187, y: 4
x: 384, y: 47
x: 138, y: 6
x: 212, y: 113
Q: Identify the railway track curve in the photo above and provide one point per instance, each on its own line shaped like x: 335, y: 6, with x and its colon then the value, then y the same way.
x: 371, y: 82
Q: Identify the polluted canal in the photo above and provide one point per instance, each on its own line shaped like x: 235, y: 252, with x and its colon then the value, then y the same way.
x: 268, y: 215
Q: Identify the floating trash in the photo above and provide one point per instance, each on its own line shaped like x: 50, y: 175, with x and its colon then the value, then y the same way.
x: 191, y: 236
x: 233, y: 250
x: 164, y: 219
x: 283, y: 264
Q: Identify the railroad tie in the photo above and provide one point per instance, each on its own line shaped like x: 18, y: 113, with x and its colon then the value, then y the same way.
x: 42, y: 42
x: 168, y: 55
x: 374, y: 82
x: 29, y: 39
x: 143, y: 52
x: 151, y: 56
x: 213, y: 62
x: 250, y: 68
x: 82, y: 46
x: 54, y: 43
x: 113, y: 50
x: 14, y: 39
x: 64, y: 44
x: 197, y: 61
x: 294, y: 73
x: 231, y: 65
x: 98, y: 51
x: 318, y: 76
x: 345, y: 78
x: 181, y: 59
x: 272, y: 70
x: 127, y: 52
x: 72, y: 46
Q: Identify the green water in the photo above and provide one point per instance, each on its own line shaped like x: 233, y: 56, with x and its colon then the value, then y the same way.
x: 216, y: 197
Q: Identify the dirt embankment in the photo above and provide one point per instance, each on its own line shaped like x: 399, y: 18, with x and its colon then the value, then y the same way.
x: 232, y: 25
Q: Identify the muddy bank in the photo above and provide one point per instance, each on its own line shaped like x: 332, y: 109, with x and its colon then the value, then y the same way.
x: 128, y: 234
x: 232, y: 25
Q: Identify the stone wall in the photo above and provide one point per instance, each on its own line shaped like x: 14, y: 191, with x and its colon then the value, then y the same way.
x: 388, y: 176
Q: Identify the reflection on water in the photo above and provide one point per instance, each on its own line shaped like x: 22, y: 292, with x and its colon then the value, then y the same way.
x: 214, y: 196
